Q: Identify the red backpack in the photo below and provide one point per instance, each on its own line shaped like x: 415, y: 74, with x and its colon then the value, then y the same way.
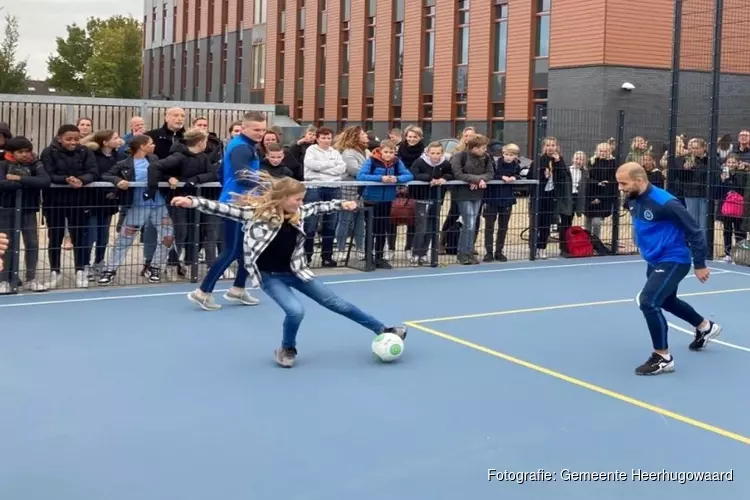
x: 578, y: 242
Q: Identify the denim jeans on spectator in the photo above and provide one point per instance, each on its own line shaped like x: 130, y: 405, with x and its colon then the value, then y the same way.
x: 349, y: 221
x: 279, y: 286
x: 468, y: 210
x: 97, y: 234
x: 698, y: 208
x: 424, y: 226
x: 136, y: 218
x: 30, y: 242
x: 233, y: 250
x: 328, y: 231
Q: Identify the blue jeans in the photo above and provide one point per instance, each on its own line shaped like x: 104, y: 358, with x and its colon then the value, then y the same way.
x: 469, y: 209
x: 346, y: 221
x: 329, y: 222
x: 279, y: 287
x: 698, y: 208
x: 97, y: 233
x: 660, y: 292
x: 233, y: 249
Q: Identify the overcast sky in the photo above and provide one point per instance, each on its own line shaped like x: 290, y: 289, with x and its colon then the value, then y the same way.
x: 41, y: 21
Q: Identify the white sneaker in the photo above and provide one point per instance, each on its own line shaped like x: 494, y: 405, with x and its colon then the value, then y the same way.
x: 228, y: 275
x: 4, y: 287
x: 54, y: 279
x: 541, y: 254
x: 35, y: 286
x: 727, y: 259
x: 243, y: 298
x: 82, y: 279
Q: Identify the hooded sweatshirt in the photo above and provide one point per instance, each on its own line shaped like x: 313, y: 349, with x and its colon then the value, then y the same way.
x: 323, y: 165
x: 425, y: 170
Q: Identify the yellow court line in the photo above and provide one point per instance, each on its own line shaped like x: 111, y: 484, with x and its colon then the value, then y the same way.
x: 586, y: 385
x: 563, y: 306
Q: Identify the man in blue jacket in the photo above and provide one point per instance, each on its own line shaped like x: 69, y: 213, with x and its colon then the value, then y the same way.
x: 239, y: 174
x: 668, y: 237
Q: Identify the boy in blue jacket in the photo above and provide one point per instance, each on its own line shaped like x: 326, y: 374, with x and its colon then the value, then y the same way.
x: 239, y: 175
x: 382, y: 166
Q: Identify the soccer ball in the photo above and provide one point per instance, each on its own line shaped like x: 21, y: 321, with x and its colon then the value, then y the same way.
x: 387, y: 347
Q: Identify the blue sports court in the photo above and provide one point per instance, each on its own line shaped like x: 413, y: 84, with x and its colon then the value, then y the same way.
x: 519, y: 367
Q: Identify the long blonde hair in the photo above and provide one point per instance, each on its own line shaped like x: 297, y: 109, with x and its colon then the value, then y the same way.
x: 267, y: 199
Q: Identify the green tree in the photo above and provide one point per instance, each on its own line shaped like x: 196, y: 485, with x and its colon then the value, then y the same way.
x: 12, y: 73
x: 114, y: 68
x: 67, y: 68
x: 102, y: 60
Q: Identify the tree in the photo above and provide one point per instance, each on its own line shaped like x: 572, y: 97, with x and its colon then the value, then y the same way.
x: 68, y: 67
x: 102, y: 60
x: 114, y: 68
x: 12, y: 73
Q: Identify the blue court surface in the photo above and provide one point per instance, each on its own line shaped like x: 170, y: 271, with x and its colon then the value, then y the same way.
x: 521, y: 368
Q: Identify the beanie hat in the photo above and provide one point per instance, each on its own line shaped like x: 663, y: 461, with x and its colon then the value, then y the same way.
x: 18, y: 143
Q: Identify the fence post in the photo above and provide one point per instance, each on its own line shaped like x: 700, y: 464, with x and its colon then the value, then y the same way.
x: 369, y: 239
x: 15, y: 246
x: 433, y: 220
x: 674, y: 92
x: 713, y: 164
x: 194, y: 238
x: 620, y: 159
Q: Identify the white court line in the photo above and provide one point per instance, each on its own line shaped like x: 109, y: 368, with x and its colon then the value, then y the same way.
x: 715, y: 341
x: 337, y: 282
x: 729, y: 271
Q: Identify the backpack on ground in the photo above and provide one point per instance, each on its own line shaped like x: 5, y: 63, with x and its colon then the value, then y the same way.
x: 578, y: 242
x: 733, y: 205
x: 741, y: 253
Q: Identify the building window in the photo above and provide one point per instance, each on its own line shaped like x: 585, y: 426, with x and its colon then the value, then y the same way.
x: 346, y: 10
x: 211, y: 9
x: 370, y: 46
x: 153, y: 24
x: 161, y: 73
x: 164, y: 22
x: 463, y: 16
x: 238, y: 64
x: 223, y: 69
x: 183, y: 72
x: 209, y: 75
x: 174, y: 24
x: 542, y: 28
x: 300, y: 62
x: 241, y: 13
x: 398, y: 42
x: 225, y: 16
x: 500, y: 44
x: 429, y: 34
x: 280, y: 47
x: 196, y: 65
x: 259, y: 66
x: 260, y: 8
x: 185, y: 24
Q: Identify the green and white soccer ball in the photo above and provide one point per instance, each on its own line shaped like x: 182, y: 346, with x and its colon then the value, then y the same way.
x: 387, y: 347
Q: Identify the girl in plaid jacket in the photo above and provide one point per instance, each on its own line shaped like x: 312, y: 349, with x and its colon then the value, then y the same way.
x: 274, y: 254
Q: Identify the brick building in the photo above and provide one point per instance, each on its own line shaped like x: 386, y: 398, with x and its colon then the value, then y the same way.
x: 443, y: 64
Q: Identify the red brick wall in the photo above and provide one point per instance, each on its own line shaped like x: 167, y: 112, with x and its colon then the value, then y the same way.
x: 383, y: 60
x: 357, y: 61
x: 520, y: 50
x: 333, y: 47
x: 445, y: 56
x: 272, y: 29
x: 311, y: 59
x: 480, y: 54
x: 413, y: 37
x: 290, y: 49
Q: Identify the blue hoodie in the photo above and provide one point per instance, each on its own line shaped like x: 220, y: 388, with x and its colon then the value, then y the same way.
x: 240, y: 162
x: 373, y: 169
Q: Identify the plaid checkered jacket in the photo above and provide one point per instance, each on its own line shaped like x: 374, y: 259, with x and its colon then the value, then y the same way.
x: 258, y: 234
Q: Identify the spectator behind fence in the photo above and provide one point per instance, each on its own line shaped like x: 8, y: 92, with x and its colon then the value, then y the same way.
x: 431, y: 167
x: 730, y: 205
x: 352, y: 143
x: 68, y: 163
x: 382, y: 166
x: 601, y: 189
x: 20, y: 170
x: 474, y: 167
x: 214, y: 147
x: 579, y: 177
x: 105, y: 145
x: 324, y: 164
x: 655, y: 175
x: 188, y: 163
x: 273, y: 163
x: 137, y: 127
x: 412, y: 147
x: 142, y: 207
x: 555, y: 195
x: 499, y: 201
x: 5, y: 135
x: 298, y: 151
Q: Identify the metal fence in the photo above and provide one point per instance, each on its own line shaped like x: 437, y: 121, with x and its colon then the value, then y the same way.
x: 39, y: 117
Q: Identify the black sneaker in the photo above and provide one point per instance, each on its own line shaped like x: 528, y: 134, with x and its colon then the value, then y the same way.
x: 285, y: 356
x: 655, y: 365
x: 153, y: 274
x: 701, y: 338
x: 106, y: 278
x: 397, y: 330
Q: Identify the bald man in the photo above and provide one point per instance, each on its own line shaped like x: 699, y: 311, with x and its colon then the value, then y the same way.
x: 668, y: 239
x: 168, y: 134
